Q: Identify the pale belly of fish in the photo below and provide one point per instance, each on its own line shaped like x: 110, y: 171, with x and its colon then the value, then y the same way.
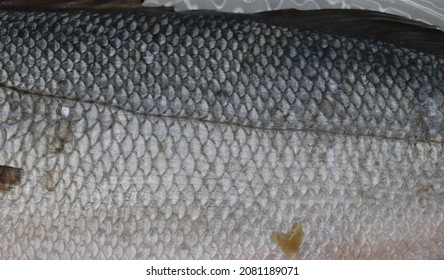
x: 192, y: 136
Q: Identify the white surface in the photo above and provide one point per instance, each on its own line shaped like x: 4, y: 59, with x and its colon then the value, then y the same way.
x: 110, y: 270
x: 429, y: 11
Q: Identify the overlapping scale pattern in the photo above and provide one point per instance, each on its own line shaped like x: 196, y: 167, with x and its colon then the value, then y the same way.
x: 172, y: 136
x: 232, y: 70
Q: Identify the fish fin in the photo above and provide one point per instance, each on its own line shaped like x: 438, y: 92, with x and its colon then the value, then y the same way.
x: 364, y: 24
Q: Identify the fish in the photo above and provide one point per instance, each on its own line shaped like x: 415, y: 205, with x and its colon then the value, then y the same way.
x: 166, y: 135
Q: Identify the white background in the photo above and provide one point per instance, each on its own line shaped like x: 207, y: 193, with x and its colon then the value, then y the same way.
x: 110, y: 270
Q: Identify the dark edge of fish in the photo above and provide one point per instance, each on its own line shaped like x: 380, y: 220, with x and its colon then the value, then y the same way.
x: 68, y: 4
x: 9, y: 177
x: 362, y: 24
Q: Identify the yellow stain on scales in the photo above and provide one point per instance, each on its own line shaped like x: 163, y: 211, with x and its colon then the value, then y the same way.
x: 291, y: 241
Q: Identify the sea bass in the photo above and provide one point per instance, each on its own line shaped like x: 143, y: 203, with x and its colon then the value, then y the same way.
x: 136, y: 135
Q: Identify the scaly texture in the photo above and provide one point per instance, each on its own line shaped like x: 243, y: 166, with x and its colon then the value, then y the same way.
x: 178, y: 136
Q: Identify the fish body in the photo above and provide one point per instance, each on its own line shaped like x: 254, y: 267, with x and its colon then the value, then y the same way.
x: 192, y: 136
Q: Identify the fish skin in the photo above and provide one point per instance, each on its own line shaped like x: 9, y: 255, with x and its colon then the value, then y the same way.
x: 198, y: 136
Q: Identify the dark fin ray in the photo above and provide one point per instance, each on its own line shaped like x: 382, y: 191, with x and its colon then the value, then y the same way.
x: 364, y: 24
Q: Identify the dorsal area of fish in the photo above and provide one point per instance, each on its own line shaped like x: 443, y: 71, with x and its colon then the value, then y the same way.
x: 225, y: 68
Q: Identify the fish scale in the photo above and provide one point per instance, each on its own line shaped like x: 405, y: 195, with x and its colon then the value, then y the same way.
x: 138, y: 141
x: 206, y: 100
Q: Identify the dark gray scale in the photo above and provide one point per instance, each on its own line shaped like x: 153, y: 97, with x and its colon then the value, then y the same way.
x: 265, y: 70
